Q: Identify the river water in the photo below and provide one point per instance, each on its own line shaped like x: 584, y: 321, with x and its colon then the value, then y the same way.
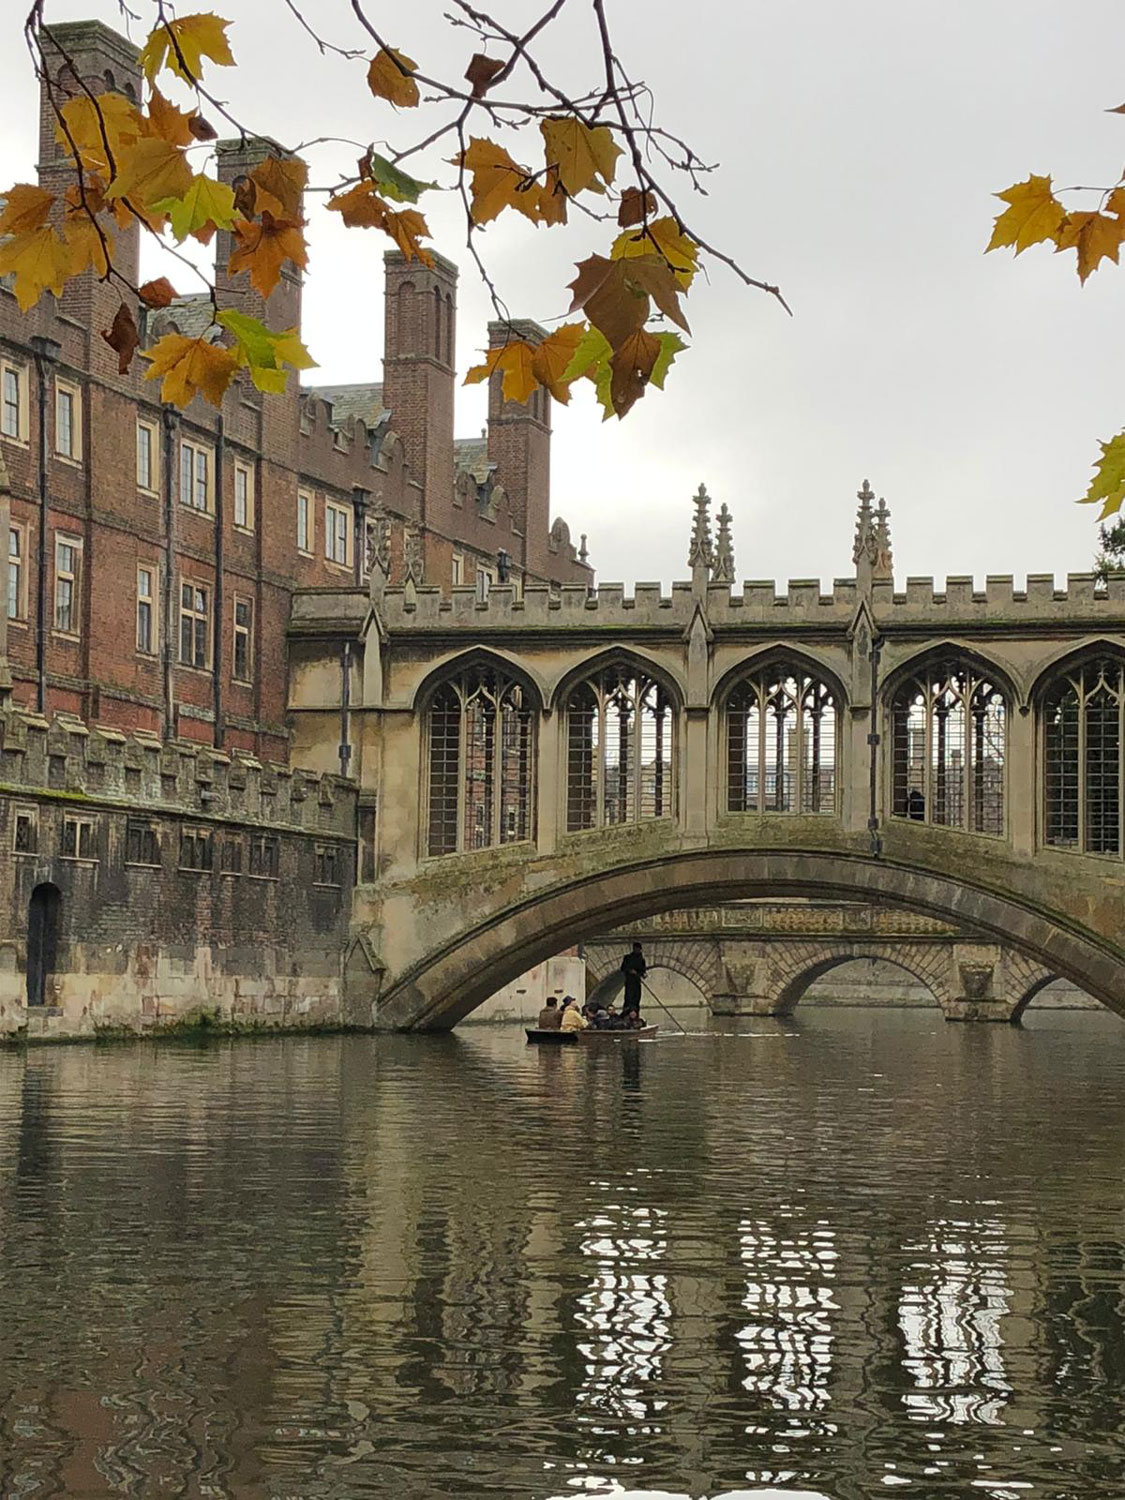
x: 849, y: 1255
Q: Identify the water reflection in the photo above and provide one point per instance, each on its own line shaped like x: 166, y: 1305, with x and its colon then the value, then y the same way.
x: 878, y: 1254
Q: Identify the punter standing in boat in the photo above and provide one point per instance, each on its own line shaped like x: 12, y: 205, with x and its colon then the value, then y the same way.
x: 550, y: 1017
x: 572, y: 1018
x: 634, y: 968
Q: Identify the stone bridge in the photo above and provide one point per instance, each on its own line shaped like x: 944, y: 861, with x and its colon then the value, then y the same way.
x: 540, y: 766
x: 759, y: 958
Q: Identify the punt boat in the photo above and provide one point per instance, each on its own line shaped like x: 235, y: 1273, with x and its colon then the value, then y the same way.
x: 591, y: 1034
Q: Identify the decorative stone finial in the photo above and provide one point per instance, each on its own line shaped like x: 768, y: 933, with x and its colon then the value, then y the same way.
x: 722, y: 569
x: 884, y: 563
x: 872, y: 551
x: 583, y: 554
x: 864, y: 495
x: 699, y: 553
x: 413, y: 557
x: 377, y: 555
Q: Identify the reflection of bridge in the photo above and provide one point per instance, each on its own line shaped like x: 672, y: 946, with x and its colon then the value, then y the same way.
x: 760, y: 958
x: 540, y: 769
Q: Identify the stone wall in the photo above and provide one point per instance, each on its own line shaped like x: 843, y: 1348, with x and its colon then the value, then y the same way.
x: 184, y: 880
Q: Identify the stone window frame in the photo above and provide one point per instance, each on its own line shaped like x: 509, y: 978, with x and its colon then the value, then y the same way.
x: 264, y: 856
x: 242, y: 632
x: 338, y: 520
x: 230, y: 854
x: 17, y: 597
x: 244, y: 471
x: 195, y: 613
x: 306, y: 522
x: 197, y: 850
x: 84, y: 838
x: 13, y: 369
x: 204, y: 474
x: 152, y: 600
x: 1075, y: 666
x: 68, y: 391
x: 71, y: 575
x: 25, y: 813
x: 815, y: 688
x: 577, y: 816
x: 143, y: 829
x: 327, y: 863
x: 152, y: 428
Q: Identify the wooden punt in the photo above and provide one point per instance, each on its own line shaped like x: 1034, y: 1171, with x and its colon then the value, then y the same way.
x: 591, y: 1034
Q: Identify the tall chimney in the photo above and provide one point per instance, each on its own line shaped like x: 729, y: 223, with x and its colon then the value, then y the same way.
x: 519, y: 444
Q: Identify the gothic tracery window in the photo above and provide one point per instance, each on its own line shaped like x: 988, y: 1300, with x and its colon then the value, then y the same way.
x: 619, y: 726
x: 781, y: 743
x: 481, y: 734
x: 1082, y: 728
x: 949, y: 727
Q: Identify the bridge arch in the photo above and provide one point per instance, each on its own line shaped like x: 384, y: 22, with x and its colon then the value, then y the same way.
x: 631, y: 658
x: 697, y: 961
x: 930, y: 971
x: 457, y: 662
x: 454, y: 975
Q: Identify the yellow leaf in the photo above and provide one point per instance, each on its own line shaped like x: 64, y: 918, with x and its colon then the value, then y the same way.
x: 26, y: 207
x: 190, y: 366
x: 362, y: 208
x: 498, y: 182
x: 515, y: 361
x: 182, y: 45
x: 85, y: 245
x: 1095, y: 236
x: 169, y: 123
x: 1108, y: 483
x: 662, y: 237
x: 552, y: 357
x: 262, y: 249
x: 1034, y: 214
x: 39, y: 261
x: 98, y: 130
x: 206, y: 206
x: 279, y: 183
x: 150, y: 171
x: 582, y: 153
x: 388, y: 77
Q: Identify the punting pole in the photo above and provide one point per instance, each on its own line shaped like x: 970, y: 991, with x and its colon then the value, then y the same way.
x: 661, y: 1004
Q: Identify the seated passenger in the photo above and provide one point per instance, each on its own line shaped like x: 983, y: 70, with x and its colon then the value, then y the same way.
x: 572, y: 1017
x: 608, y: 1019
x: 550, y: 1017
x: 632, y: 1019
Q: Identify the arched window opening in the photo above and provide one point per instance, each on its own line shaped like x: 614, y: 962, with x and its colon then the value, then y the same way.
x: 781, y: 744
x: 1082, y: 723
x: 948, y: 744
x: 619, y: 727
x: 481, y: 733
x: 438, y: 321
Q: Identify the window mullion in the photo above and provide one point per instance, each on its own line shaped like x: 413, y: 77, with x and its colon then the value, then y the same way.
x: 599, y: 763
x: 1080, y: 769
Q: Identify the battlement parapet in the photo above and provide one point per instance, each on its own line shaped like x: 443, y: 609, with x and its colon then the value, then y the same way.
x: 68, y: 757
x: 758, y: 602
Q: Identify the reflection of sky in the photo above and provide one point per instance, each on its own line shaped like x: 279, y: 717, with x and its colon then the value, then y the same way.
x: 950, y: 1320
x: 787, y: 1340
x: 625, y: 1314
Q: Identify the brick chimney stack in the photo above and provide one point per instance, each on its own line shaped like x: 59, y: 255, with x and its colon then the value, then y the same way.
x: 519, y: 444
x: 419, y: 364
x: 78, y: 53
x: 234, y: 159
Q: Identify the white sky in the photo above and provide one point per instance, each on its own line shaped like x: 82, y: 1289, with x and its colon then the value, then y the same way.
x: 860, y: 144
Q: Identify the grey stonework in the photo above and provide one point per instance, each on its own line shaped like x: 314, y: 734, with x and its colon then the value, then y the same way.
x: 187, y: 881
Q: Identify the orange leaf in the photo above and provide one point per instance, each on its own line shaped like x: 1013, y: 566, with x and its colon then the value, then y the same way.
x: 388, y: 77
x: 150, y: 171
x: 552, y: 357
x: 123, y: 338
x: 515, y: 361
x: 158, y: 293
x: 100, y: 129
x: 481, y: 71
x: 1095, y: 236
x: 167, y: 122
x: 262, y: 249
x: 26, y: 207
x: 498, y: 182
x: 190, y: 366
x: 362, y: 208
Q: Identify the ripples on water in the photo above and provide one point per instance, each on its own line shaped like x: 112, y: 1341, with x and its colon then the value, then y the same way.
x: 852, y: 1255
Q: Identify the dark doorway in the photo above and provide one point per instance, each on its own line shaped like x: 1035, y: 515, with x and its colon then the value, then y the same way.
x: 42, y: 940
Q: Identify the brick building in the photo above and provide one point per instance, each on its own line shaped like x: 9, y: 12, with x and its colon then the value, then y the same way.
x: 153, y: 552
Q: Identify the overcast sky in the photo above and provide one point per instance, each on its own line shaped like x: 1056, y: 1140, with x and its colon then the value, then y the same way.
x: 860, y: 144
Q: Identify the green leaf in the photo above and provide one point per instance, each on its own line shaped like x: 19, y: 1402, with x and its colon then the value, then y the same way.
x: 264, y: 353
x: 392, y: 182
x: 206, y: 206
x: 592, y: 352
x: 671, y: 344
x: 603, y: 390
x: 1108, y: 483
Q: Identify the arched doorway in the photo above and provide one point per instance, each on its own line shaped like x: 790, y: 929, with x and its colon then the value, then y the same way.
x: 42, y: 940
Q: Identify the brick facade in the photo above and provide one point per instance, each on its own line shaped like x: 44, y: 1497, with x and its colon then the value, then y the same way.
x: 123, y: 510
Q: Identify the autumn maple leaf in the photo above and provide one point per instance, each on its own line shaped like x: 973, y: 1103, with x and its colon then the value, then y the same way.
x: 389, y: 78
x: 191, y: 366
x: 1033, y: 215
x: 181, y: 46
x: 585, y: 156
x: 262, y: 249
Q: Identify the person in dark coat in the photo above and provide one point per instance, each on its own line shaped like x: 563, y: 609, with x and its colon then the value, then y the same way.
x: 634, y: 968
